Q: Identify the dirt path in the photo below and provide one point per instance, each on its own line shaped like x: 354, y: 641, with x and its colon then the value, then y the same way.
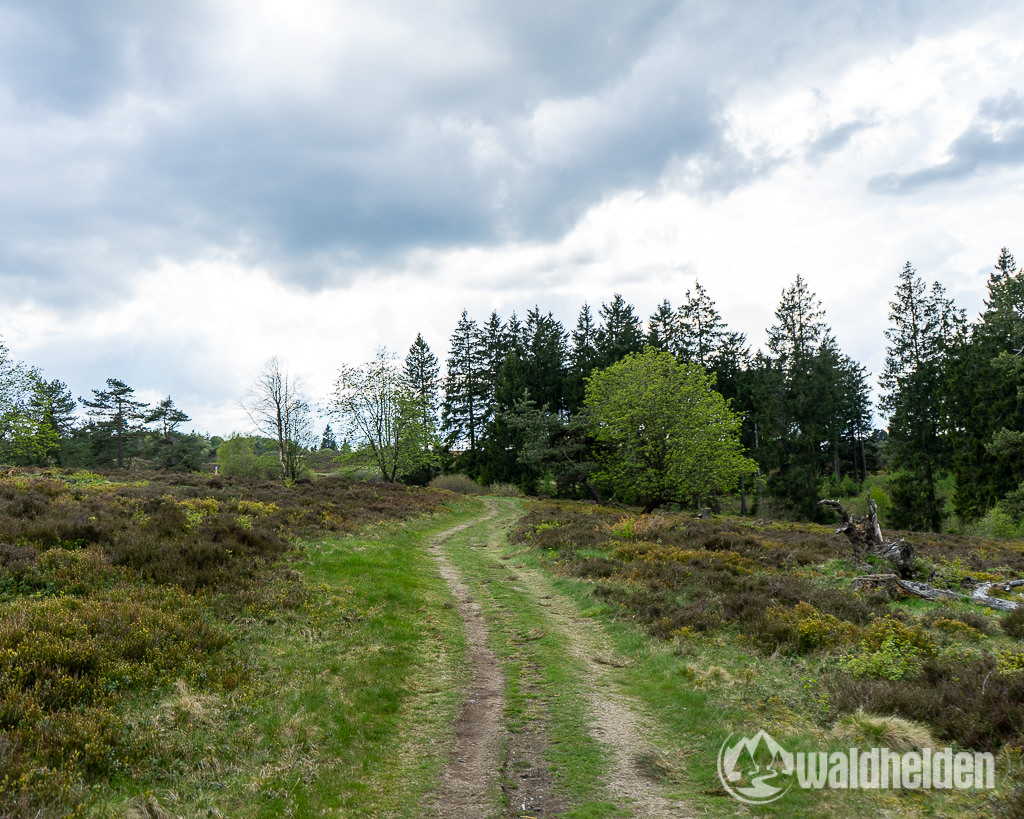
x: 471, y: 779
x: 617, y: 723
x: 471, y: 782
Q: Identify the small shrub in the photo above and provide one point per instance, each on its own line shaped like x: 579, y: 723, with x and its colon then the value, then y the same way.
x: 460, y: 484
x: 959, y: 695
x: 890, y: 651
x: 1013, y: 623
x: 806, y: 628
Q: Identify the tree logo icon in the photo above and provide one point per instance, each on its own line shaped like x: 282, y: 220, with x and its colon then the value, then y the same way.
x: 755, y: 770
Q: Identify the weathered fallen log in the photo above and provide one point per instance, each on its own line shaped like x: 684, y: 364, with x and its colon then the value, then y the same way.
x: 981, y: 595
x: 894, y: 586
x: 865, y: 534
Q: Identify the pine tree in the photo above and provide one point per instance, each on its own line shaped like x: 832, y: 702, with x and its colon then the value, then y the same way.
x: 663, y: 330
x: 327, y: 440
x: 582, y: 359
x: 544, y: 354
x: 801, y: 407
x: 117, y: 411
x: 466, y: 393
x: 986, y: 404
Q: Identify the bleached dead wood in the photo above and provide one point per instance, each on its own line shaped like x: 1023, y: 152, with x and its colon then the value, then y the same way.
x: 865, y: 534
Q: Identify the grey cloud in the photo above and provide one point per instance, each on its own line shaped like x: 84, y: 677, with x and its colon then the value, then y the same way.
x: 836, y: 138
x: 142, y: 144
x: 994, y: 139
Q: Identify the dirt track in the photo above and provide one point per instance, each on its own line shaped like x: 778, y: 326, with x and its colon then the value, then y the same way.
x: 485, y: 750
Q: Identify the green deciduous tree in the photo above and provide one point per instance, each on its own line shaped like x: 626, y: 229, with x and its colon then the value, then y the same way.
x: 381, y: 413
x: 244, y: 456
x: 667, y: 435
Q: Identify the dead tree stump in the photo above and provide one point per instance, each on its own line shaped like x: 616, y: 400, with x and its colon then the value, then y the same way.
x: 865, y: 535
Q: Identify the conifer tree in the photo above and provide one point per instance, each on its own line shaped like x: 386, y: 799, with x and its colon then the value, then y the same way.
x: 701, y: 329
x: 117, y: 411
x: 582, y: 359
x: 422, y: 371
x: 464, y: 410
x: 619, y: 334
x: 924, y: 328
x: 663, y: 331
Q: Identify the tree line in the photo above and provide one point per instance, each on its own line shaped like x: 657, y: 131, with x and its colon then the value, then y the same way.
x: 526, y: 401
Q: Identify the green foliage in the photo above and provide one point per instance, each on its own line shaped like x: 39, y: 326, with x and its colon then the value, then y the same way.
x: 384, y: 417
x: 890, y: 650
x: 243, y: 456
x: 505, y: 490
x: 1013, y: 623
x: 810, y: 629
x: 666, y: 435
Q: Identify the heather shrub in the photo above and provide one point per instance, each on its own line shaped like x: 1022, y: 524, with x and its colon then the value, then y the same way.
x: 1013, y: 623
x: 962, y: 697
x: 804, y: 628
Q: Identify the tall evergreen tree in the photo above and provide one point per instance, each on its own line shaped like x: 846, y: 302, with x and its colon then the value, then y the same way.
x: 582, y: 359
x: 663, y: 331
x: 924, y: 327
x: 466, y: 393
x: 800, y: 403
x: 544, y: 354
x: 422, y: 371
x: 986, y: 404
x: 53, y: 407
x: 619, y: 334
x: 701, y: 329
x: 327, y: 440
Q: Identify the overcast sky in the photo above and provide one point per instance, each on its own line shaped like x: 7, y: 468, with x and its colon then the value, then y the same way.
x: 189, y: 188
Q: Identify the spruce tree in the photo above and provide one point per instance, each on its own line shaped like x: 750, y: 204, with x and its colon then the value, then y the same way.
x: 925, y: 327
x: 422, y: 371
x: 582, y: 359
x: 464, y: 409
x: 701, y: 329
x: 619, y: 334
x: 663, y: 331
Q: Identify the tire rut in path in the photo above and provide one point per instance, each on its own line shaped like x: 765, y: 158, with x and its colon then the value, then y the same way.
x: 471, y: 778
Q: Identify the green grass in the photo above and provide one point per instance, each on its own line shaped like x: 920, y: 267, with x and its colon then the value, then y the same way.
x: 349, y: 698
